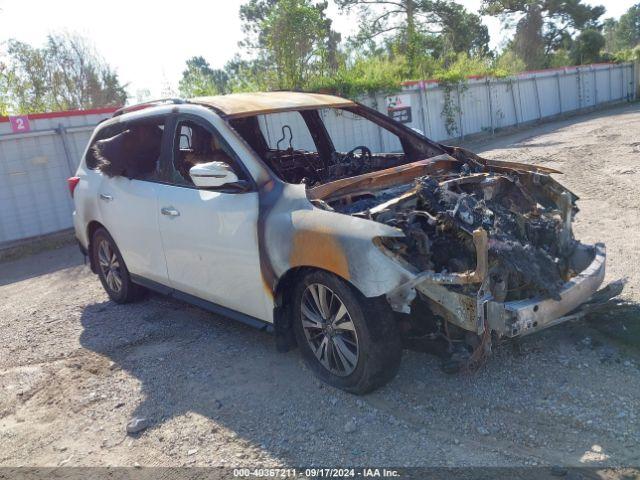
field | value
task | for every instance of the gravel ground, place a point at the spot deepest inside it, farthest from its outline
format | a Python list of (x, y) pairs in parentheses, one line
[(75, 368)]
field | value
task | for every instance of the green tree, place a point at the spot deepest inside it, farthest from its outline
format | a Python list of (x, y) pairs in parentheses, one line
[(560, 58), (587, 46), (462, 31), (627, 33), (609, 31), (543, 26), (413, 27), (199, 79), (509, 62), (4, 93), (293, 39), (64, 74)]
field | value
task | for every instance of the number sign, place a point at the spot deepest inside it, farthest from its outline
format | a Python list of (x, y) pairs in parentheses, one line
[(20, 124)]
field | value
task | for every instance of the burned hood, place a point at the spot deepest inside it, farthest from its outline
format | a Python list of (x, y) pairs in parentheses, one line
[(439, 203)]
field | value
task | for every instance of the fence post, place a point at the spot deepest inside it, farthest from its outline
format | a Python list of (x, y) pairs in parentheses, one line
[(610, 83), (378, 128), (513, 99), (459, 111), (636, 78), (62, 131), (490, 106), (621, 83), (421, 109), (535, 87), (559, 92), (595, 86), (426, 113), (518, 81), (579, 88)]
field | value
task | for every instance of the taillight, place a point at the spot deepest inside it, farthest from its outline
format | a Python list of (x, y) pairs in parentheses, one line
[(72, 182)]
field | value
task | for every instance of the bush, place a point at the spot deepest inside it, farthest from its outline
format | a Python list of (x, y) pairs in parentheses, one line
[(363, 76), (628, 55)]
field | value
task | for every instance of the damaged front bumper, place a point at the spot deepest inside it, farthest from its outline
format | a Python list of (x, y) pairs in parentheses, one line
[(511, 318), (523, 317)]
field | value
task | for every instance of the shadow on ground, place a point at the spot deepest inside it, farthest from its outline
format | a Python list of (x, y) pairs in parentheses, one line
[(188, 361)]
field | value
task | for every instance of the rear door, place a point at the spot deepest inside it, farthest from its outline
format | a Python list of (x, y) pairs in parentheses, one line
[(129, 210), (210, 236)]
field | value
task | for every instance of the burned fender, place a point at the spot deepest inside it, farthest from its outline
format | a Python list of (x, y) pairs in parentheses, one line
[(296, 233)]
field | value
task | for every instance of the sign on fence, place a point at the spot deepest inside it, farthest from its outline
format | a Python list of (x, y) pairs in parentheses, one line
[(399, 107), (20, 124)]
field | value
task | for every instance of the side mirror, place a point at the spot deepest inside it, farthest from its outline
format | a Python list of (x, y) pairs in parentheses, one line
[(212, 175)]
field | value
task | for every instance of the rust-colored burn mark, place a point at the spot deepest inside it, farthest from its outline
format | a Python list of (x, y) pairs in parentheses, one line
[(504, 166), (237, 105), (319, 249), (384, 178)]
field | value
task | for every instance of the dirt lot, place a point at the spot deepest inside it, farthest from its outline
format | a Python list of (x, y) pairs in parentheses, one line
[(75, 367)]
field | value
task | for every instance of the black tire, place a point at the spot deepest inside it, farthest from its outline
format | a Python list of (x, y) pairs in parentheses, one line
[(123, 291), (378, 346)]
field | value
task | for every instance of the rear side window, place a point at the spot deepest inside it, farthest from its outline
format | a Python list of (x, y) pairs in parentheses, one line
[(130, 149), (105, 132)]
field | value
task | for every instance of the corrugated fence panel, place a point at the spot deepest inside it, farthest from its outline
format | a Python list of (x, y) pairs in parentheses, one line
[(434, 105), (475, 108), (34, 166), (505, 106), (527, 99), (602, 85), (617, 87), (549, 95)]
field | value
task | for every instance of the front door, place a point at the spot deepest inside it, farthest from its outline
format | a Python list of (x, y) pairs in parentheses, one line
[(210, 237)]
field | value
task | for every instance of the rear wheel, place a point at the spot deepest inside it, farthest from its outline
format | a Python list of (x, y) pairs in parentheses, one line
[(112, 270), (350, 341)]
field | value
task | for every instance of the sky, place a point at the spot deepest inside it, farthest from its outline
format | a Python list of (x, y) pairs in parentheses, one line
[(147, 42)]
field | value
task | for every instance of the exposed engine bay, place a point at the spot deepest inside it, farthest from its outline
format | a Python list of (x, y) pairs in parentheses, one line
[(529, 246)]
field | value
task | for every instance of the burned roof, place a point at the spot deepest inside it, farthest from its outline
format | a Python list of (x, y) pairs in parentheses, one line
[(237, 105)]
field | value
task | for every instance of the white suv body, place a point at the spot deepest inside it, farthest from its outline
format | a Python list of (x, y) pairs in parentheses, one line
[(226, 219)]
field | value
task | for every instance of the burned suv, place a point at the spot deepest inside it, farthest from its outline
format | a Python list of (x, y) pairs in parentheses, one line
[(343, 231)]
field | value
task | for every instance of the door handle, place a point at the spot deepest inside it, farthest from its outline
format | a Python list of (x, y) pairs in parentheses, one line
[(170, 211), (106, 198)]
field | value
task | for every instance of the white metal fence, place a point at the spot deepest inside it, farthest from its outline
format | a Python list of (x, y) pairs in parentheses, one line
[(34, 165), (488, 104)]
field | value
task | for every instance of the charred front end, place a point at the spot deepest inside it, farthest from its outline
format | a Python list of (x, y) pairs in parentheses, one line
[(489, 244)]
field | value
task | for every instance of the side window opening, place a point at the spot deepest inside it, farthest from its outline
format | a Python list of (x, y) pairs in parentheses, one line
[(91, 157), (346, 129), (133, 150), (313, 147), (290, 147), (195, 144)]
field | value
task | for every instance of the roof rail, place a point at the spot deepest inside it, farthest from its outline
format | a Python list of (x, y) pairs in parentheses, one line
[(150, 103)]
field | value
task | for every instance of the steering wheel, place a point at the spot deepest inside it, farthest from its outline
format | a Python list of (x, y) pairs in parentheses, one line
[(356, 164)]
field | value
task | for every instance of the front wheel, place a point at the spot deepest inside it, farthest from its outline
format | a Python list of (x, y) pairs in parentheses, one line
[(348, 340)]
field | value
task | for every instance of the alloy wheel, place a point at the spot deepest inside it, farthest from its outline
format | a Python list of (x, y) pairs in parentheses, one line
[(110, 266), (329, 330)]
